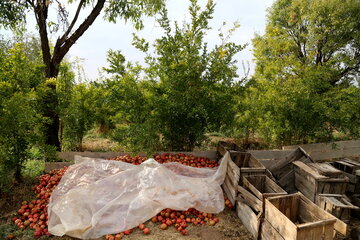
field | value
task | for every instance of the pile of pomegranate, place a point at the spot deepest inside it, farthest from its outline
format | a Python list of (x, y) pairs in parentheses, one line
[(185, 159), (33, 214)]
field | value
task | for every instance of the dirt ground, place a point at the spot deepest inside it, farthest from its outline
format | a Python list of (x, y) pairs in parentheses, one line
[(229, 226)]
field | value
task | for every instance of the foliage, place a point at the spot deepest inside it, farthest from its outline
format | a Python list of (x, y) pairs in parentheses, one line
[(78, 117), (13, 13), (187, 89), (19, 124), (307, 63)]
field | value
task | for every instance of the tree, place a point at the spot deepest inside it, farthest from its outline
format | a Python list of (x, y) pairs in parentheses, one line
[(318, 37), (14, 12), (190, 84), (308, 57), (19, 125)]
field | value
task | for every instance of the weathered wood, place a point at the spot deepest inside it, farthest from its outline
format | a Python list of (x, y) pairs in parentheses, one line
[(233, 177), (310, 182), (337, 205), (347, 165), (270, 154), (326, 169), (349, 169), (232, 189), (284, 172), (252, 201), (294, 216), (228, 194), (339, 225), (280, 220), (268, 232), (324, 151), (262, 186), (250, 219), (235, 170), (223, 147)]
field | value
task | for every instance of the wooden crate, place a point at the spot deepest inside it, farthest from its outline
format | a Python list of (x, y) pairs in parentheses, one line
[(250, 218), (310, 181), (338, 205), (262, 186), (350, 169), (283, 169), (294, 216), (250, 203), (347, 165), (242, 164), (223, 147)]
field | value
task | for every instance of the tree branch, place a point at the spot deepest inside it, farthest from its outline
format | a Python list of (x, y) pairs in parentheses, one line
[(41, 16), (64, 47), (73, 21)]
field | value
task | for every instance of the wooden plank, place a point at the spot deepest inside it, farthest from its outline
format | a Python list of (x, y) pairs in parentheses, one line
[(249, 218), (353, 162), (287, 182), (316, 230), (278, 207), (234, 169), (309, 170), (223, 147), (270, 154), (228, 194), (324, 151), (280, 222), (232, 188), (253, 202), (261, 185), (249, 182), (339, 225), (283, 162), (326, 169), (305, 183), (268, 232), (232, 177)]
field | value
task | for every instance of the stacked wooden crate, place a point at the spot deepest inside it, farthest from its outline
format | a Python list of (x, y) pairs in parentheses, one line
[(294, 216), (313, 179), (350, 167), (338, 205), (242, 164), (250, 200), (283, 170)]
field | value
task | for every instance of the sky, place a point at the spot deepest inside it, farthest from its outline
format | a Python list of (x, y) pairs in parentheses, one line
[(92, 47)]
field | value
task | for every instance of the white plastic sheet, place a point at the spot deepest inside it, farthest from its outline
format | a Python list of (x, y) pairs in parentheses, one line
[(97, 197)]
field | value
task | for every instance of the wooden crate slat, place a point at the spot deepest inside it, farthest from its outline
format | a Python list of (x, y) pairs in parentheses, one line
[(268, 232), (326, 169), (296, 217), (252, 201), (232, 189), (249, 218), (228, 194), (279, 220), (262, 186)]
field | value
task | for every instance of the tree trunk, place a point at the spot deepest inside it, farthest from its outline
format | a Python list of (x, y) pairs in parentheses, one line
[(51, 112), (52, 60)]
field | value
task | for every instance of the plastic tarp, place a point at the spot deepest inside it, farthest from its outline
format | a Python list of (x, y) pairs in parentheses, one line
[(97, 197)]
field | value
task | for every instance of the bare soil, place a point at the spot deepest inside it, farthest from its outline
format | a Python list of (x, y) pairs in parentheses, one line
[(229, 226)]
